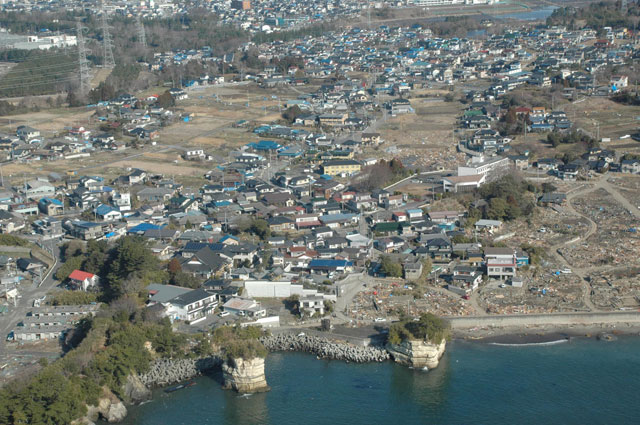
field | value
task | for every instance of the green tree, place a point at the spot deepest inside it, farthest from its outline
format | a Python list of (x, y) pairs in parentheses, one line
[(292, 113), (68, 267), (390, 267), (165, 100)]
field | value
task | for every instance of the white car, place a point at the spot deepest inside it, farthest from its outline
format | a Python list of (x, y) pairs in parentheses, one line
[(565, 271), (223, 313), (380, 319)]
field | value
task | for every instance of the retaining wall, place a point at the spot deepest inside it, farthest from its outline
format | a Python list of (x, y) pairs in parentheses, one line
[(584, 319)]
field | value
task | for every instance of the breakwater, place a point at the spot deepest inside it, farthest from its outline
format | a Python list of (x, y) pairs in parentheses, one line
[(324, 348), (169, 371)]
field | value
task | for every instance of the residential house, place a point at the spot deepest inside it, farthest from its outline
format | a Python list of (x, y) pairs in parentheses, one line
[(50, 206), (83, 280), (500, 262), (413, 271), (344, 166), (193, 306)]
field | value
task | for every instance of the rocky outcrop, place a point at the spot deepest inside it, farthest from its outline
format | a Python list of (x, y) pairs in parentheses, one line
[(417, 354), (245, 376), (110, 408), (168, 371), (135, 391), (324, 348)]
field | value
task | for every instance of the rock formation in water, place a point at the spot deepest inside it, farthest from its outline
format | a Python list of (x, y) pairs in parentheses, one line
[(417, 354), (245, 376)]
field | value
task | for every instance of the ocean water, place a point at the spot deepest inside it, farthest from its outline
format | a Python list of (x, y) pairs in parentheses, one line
[(579, 382)]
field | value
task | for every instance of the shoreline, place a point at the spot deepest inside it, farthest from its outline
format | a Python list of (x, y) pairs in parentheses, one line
[(543, 334)]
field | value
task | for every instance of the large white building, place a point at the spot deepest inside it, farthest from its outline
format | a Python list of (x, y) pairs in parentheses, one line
[(33, 42), (492, 168)]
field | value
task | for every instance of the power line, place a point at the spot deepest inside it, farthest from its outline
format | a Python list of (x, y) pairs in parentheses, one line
[(107, 53), (83, 70), (62, 80), (52, 71)]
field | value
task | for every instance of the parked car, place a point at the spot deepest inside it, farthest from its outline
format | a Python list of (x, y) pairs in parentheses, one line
[(223, 313)]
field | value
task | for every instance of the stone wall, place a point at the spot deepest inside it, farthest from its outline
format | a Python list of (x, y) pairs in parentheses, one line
[(417, 354)]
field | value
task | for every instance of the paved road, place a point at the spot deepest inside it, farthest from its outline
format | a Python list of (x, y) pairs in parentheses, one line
[(29, 293)]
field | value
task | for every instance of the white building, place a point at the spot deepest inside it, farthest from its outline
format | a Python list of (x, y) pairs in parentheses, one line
[(492, 168), (193, 306)]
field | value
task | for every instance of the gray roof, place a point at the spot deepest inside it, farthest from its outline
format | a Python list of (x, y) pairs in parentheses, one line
[(190, 297), (165, 292)]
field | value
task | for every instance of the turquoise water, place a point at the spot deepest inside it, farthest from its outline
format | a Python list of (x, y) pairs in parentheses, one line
[(581, 382)]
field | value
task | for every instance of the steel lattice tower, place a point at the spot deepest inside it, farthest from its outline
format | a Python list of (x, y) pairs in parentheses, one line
[(142, 37), (107, 52), (84, 73)]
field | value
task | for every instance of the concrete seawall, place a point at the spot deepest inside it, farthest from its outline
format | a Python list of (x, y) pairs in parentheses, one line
[(560, 319)]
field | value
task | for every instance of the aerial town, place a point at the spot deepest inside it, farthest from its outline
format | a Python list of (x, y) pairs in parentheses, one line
[(359, 174)]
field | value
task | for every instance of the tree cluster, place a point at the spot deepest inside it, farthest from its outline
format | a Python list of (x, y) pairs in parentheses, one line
[(556, 138), (509, 198), (390, 267), (429, 327), (239, 342), (596, 15), (380, 175)]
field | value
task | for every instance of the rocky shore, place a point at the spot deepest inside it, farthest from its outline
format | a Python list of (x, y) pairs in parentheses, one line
[(417, 354), (167, 371), (324, 348), (245, 376)]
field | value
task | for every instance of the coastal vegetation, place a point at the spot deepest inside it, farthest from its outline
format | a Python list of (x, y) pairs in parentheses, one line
[(428, 327), (240, 342), (104, 351), (101, 351)]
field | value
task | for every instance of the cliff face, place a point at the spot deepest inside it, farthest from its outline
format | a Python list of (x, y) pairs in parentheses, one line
[(417, 354), (135, 391), (109, 408), (245, 376)]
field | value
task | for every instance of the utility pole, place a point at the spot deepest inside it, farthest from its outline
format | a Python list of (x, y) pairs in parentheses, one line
[(107, 52), (84, 74), (142, 36)]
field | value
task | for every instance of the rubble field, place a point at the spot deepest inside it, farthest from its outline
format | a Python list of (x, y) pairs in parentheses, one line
[(385, 298), (546, 293), (617, 289), (549, 226), (614, 243)]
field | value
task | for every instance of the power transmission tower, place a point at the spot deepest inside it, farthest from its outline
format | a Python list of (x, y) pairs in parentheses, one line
[(142, 37), (109, 62), (85, 75)]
